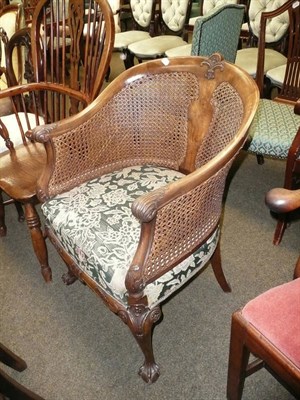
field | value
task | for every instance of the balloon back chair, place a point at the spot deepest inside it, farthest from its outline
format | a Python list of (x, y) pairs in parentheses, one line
[(69, 59), (218, 31), (173, 32), (133, 185), (143, 27), (273, 132), (268, 326)]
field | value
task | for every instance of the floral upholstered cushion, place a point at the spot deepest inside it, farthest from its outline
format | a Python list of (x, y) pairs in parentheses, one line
[(273, 129), (95, 225)]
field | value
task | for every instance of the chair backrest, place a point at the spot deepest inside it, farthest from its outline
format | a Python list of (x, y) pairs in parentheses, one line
[(70, 58), (143, 14), (174, 16), (206, 6), (28, 10), (59, 30), (289, 11), (218, 31), (10, 22), (276, 27)]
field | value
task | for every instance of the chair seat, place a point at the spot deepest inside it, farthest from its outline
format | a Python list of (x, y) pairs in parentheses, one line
[(273, 129), (155, 46), (276, 314), (180, 51), (124, 39), (94, 223), (20, 182), (247, 59), (276, 75)]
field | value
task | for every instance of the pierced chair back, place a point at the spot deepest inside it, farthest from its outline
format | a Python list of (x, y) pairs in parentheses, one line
[(156, 150), (71, 47), (269, 26)]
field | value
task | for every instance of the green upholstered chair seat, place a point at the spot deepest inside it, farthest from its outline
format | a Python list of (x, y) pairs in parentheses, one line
[(95, 225), (273, 129)]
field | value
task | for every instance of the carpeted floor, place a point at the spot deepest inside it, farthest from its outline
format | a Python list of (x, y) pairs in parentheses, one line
[(76, 348)]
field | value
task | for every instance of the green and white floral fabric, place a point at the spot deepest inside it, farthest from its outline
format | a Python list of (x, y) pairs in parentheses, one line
[(273, 129), (95, 225)]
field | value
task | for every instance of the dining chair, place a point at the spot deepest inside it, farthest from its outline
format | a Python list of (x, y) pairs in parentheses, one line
[(268, 26), (173, 20), (132, 189), (10, 389), (143, 27), (274, 131), (70, 58), (217, 31), (268, 327)]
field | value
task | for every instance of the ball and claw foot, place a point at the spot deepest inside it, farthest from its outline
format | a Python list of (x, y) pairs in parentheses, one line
[(68, 278), (149, 372)]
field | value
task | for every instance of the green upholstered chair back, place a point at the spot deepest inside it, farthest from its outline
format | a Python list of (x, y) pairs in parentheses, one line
[(219, 31)]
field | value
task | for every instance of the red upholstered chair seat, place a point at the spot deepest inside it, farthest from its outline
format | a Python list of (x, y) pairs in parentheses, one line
[(276, 314)]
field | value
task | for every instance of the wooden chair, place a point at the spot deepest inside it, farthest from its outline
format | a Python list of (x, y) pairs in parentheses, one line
[(273, 132), (143, 27), (268, 25), (217, 31), (173, 20), (10, 23), (133, 205), (268, 326), (10, 388), (66, 79)]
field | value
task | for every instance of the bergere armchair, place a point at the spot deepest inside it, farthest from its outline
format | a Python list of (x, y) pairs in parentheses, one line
[(132, 188), (273, 132), (71, 47)]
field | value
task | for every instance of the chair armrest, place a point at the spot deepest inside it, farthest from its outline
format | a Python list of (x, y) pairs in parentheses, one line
[(282, 200), (194, 216), (297, 107)]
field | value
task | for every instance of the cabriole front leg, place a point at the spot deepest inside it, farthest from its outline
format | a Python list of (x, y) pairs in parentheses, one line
[(38, 240), (140, 320)]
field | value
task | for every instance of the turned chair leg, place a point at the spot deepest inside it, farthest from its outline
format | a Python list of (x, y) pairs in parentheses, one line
[(297, 269), (218, 270), (3, 228), (20, 211), (238, 362), (280, 228), (140, 319), (38, 240)]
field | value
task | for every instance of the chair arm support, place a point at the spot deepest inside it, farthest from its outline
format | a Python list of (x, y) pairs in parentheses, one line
[(164, 245), (297, 107), (41, 86), (282, 200)]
